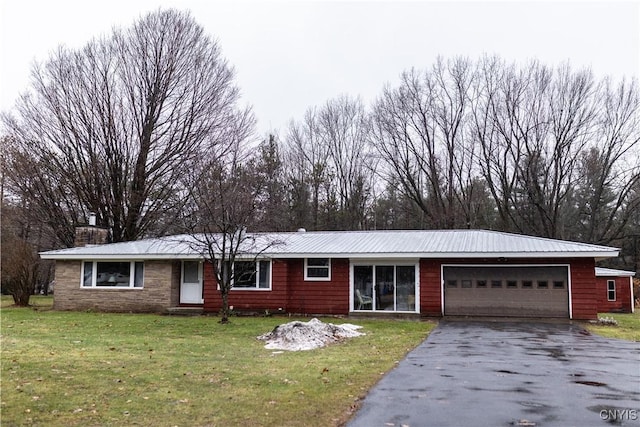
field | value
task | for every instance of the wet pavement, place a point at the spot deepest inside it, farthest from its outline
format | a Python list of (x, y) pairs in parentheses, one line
[(509, 374)]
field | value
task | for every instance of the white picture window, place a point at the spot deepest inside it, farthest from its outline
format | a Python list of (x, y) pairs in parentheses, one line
[(112, 274), (317, 269)]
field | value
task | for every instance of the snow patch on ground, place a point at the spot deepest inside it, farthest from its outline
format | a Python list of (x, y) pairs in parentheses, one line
[(296, 336)]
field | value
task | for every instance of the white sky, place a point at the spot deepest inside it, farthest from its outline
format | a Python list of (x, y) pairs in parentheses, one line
[(293, 55)]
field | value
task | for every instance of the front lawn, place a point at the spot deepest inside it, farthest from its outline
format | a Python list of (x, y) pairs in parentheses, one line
[(628, 327), (79, 368)]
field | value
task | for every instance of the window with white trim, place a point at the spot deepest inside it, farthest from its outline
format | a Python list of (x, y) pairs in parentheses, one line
[(611, 290), (317, 269), (251, 275), (112, 274)]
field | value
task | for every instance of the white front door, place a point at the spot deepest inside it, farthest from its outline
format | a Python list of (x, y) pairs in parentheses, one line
[(191, 283)]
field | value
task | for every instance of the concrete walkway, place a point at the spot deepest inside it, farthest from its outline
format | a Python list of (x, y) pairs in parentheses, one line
[(509, 374)]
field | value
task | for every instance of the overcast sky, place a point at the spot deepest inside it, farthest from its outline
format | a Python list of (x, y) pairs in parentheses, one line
[(289, 55)]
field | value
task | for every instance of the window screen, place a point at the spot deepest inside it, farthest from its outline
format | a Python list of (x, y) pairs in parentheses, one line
[(611, 290), (317, 268)]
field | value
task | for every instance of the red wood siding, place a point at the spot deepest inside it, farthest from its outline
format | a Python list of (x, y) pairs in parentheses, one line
[(248, 300), (210, 293), (583, 289), (289, 291), (430, 288), (623, 295), (319, 297)]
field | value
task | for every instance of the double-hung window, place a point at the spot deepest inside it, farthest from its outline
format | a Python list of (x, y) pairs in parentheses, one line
[(252, 274), (317, 269), (112, 274), (611, 290)]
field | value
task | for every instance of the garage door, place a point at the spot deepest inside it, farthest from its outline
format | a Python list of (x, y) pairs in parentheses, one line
[(506, 291)]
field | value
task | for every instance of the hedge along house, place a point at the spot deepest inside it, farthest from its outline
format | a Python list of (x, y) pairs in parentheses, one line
[(426, 273)]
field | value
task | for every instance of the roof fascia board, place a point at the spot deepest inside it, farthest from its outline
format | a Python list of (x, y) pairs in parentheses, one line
[(448, 255), (429, 255), (619, 273), (71, 257)]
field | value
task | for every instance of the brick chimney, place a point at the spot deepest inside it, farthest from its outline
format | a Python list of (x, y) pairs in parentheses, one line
[(90, 234)]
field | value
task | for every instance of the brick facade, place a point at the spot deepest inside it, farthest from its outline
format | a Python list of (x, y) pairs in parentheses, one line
[(160, 291), (90, 235)]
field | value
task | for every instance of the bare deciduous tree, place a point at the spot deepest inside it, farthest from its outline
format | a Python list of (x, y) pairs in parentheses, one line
[(21, 269), (532, 149), (225, 198), (344, 129), (114, 125), (418, 129), (609, 168), (332, 161), (540, 132), (308, 158)]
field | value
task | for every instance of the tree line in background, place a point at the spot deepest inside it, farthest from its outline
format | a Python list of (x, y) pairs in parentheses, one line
[(144, 128), (549, 152)]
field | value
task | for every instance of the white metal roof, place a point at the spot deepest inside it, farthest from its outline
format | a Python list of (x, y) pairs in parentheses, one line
[(178, 247), (355, 244), (610, 272)]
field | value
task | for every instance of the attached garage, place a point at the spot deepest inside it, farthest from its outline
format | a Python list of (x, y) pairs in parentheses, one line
[(522, 291)]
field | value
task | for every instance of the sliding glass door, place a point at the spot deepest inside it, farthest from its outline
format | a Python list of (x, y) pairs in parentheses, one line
[(384, 287)]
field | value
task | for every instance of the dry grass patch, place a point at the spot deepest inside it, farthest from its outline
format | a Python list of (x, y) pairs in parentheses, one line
[(69, 368), (628, 327)]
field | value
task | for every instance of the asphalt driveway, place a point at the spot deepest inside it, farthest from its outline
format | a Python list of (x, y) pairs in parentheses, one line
[(509, 374)]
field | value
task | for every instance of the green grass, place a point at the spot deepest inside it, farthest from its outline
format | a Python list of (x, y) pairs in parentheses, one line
[(78, 368), (628, 327), (37, 301)]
